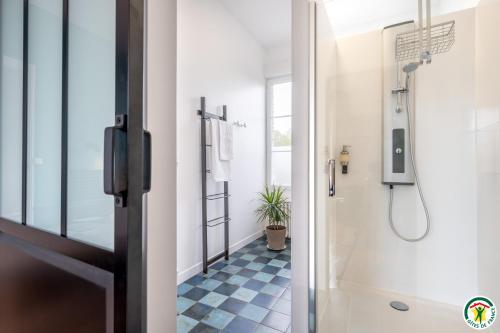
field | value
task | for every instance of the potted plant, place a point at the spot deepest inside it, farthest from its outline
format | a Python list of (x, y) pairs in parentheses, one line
[(273, 210)]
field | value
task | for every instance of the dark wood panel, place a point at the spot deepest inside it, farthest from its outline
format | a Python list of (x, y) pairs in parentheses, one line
[(89, 254), (42, 292)]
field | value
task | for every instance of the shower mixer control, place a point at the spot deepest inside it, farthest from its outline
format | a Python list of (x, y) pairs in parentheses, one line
[(398, 156)]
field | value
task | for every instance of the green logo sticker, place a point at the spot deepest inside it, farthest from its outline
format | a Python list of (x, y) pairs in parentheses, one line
[(480, 313)]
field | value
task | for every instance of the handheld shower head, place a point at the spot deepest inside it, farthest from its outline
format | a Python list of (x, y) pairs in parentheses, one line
[(410, 67)]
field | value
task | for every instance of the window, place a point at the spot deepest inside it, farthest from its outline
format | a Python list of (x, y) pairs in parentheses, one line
[(279, 138)]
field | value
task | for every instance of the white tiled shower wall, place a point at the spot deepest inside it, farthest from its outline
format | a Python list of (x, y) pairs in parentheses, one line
[(488, 146), (457, 147)]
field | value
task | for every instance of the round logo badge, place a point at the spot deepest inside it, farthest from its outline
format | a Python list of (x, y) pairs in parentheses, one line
[(480, 312)]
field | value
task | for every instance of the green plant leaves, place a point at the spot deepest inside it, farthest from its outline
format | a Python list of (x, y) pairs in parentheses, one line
[(273, 208)]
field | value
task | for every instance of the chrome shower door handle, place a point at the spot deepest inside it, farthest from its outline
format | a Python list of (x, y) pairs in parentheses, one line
[(331, 178)]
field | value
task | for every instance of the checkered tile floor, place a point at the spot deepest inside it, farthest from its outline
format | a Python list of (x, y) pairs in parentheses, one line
[(248, 293)]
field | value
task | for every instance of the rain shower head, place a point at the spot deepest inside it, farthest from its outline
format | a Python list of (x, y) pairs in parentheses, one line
[(410, 67)]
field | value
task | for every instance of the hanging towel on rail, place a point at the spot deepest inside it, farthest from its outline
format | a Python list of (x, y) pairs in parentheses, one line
[(225, 141), (219, 169)]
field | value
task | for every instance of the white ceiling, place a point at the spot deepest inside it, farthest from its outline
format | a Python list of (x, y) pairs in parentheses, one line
[(350, 17), (270, 21)]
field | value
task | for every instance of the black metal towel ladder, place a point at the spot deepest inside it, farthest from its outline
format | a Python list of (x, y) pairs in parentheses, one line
[(206, 223)]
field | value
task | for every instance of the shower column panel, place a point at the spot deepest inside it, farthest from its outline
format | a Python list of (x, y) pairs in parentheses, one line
[(396, 160)]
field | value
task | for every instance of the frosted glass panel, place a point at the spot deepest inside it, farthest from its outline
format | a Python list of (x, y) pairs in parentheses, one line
[(91, 108), (11, 85), (282, 132), (44, 114), (281, 169), (282, 99)]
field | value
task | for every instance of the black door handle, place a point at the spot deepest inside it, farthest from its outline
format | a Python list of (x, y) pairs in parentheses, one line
[(115, 160)]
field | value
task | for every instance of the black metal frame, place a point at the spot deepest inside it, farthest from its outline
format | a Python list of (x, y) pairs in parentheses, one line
[(64, 122), (25, 113), (127, 262), (207, 197), (130, 236)]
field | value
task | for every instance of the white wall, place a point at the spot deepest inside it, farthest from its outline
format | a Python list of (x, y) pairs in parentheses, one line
[(278, 61), (488, 147), (161, 201), (440, 267), (218, 59)]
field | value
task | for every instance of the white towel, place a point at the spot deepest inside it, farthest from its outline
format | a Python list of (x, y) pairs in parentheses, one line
[(220, 170), (225, 141)]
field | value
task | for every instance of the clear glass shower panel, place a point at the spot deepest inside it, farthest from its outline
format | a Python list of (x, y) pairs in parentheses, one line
[(326, 166)]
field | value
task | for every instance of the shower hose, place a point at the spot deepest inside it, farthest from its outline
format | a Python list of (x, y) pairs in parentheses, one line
[(417, 179)]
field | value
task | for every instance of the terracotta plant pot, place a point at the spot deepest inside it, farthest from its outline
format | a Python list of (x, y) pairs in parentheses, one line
[(276, 236)]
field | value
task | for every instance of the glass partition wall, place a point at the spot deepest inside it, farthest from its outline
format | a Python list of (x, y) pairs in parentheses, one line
[(407, 166), (52, 178)]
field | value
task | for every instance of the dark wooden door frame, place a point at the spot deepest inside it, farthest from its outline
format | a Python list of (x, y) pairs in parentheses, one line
[(127, 262)]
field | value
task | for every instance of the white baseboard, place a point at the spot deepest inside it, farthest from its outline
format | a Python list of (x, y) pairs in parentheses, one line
[(196, 269)]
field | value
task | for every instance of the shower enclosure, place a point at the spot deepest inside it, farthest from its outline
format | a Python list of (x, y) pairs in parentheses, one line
[(407, 166)]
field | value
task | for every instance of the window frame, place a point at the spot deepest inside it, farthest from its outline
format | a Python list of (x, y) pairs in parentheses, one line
[(270, 82)]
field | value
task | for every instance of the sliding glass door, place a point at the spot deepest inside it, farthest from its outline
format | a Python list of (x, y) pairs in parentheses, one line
[(72, 166)]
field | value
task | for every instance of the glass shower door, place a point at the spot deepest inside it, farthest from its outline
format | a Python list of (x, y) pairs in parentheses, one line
[(376, 268), (327, 163)]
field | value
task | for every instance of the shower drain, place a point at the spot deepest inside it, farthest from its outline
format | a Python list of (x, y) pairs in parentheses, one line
[(400, 306)]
